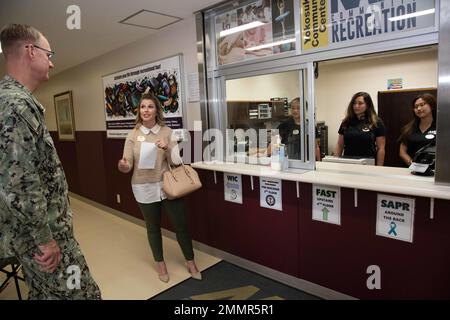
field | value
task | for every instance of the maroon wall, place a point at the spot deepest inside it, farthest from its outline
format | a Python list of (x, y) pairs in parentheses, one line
[(67, 153), (333, 256), (265, 236), (338, 256), (90, 164)]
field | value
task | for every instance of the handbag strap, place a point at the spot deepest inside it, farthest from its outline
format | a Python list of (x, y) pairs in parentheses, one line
[(185, 170)]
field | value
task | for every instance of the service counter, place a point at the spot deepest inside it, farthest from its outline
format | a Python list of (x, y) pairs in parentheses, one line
[(384, 179), (340, 257)]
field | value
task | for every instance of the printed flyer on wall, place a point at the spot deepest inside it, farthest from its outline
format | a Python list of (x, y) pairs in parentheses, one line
[(123, 90)]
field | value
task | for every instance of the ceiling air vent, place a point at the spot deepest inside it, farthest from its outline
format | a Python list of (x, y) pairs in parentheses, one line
[(150, 20)]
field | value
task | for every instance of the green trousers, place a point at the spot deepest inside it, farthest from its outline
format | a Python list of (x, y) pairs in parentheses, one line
[(176, 209)]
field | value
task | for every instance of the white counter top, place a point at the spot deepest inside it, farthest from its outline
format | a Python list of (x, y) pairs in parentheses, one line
[(381, 179)]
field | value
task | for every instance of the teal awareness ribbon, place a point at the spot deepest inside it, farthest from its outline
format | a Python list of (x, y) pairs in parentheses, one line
[(393, 227)]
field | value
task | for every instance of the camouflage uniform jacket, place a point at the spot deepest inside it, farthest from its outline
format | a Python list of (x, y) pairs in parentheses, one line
[(34, 205)]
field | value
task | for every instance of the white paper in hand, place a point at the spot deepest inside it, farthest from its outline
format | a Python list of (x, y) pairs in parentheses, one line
[(418, 167), (147, 158)]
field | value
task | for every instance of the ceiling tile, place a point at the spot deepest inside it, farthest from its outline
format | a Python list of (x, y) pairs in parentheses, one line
[(150, 19)]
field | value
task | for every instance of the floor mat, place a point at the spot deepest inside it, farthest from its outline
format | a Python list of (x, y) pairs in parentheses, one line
[(225, 281)]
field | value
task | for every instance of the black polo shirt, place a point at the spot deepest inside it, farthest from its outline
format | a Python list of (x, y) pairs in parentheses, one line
[(290, 136), (360, 140), (419, 139)]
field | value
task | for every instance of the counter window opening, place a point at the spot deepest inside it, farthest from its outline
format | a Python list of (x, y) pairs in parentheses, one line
[(414, 72), (263, 111), (414, 28)]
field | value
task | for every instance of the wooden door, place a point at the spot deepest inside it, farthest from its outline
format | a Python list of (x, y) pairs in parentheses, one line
[(395, 109)]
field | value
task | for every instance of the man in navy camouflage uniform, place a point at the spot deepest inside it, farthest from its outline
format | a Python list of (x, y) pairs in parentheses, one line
[(35, 218)]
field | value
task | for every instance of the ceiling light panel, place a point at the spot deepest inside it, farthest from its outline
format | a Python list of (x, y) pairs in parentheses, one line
[(150, 19)]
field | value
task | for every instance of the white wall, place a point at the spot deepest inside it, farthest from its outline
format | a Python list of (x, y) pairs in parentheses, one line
[(264, 87), (339, 80), (85, 80)]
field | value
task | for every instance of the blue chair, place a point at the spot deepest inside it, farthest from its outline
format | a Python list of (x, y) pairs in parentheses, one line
[(13, 273)]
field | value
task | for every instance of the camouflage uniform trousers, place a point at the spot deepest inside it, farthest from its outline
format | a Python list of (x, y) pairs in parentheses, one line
[(71, 280)]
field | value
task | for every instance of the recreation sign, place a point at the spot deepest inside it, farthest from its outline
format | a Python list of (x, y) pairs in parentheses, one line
[(329, 24)]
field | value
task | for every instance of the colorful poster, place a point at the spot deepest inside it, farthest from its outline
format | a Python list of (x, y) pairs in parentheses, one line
[(283, 25), (230, 43), (260, 28), (341, 23), (393, 84), (256, 41), (395, 217), (123, 90)]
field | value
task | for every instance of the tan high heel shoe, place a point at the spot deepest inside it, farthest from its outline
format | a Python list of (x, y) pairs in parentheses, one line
[(163, 277), (196, 275)]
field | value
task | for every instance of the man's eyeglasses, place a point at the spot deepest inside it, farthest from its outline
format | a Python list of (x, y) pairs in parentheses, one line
[(49, 53)]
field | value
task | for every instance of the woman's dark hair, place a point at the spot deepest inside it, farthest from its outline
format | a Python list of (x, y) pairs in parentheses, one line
[(159, 111), (370, 115), (409, 127)]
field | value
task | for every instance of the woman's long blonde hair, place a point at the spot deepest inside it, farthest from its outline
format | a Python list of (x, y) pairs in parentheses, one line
[(159, 112)]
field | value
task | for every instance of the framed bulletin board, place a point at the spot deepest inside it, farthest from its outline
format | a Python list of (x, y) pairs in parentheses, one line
[(64, 116)]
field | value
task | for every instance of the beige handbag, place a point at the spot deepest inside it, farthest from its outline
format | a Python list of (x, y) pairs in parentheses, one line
[(180, 181)]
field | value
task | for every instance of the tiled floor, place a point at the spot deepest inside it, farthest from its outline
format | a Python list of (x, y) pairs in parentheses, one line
[(119, 256)]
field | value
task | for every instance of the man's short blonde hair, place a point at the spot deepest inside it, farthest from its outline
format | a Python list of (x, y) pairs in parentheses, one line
[(13, 35)]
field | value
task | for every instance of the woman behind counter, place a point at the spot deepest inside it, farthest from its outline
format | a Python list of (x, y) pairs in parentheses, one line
[(421, 130), (290, 133), (361, 133), (146, 181)]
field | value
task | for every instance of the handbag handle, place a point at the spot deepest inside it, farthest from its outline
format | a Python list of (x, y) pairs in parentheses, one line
[(185, 170)]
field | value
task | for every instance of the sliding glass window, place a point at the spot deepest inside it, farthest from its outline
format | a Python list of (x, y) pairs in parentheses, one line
[(262, 108)]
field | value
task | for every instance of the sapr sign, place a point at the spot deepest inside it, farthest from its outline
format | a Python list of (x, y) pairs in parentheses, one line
[(326, 204), (395, 217)]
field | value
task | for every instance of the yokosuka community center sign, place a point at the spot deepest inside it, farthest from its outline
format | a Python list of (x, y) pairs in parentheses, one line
[(328, 24)]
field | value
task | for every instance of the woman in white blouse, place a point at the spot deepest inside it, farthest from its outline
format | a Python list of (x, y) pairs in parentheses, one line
[(147, 150)]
